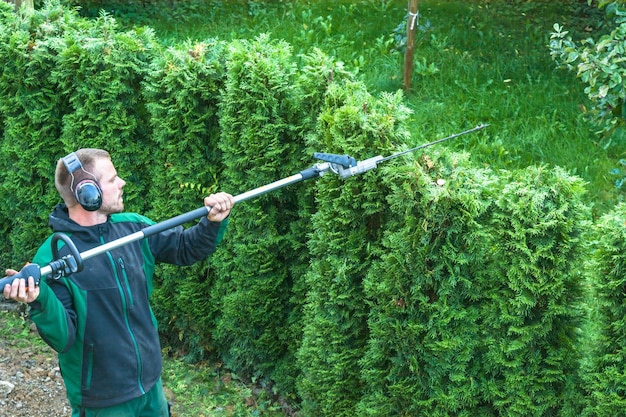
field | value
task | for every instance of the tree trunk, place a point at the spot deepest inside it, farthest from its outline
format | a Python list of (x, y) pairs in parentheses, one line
[(28, 4), (411, 28)]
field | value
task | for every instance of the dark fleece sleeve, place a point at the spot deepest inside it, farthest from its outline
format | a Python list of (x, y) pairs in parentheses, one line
[(180, 246)]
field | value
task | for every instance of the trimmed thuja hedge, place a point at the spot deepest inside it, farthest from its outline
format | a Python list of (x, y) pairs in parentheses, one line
[(182, 91), (262, 134), (605, 372), (425, 287), (473, 303), (346, 233)]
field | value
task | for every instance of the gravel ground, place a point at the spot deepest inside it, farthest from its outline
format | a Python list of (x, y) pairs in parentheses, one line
[(30, 381)]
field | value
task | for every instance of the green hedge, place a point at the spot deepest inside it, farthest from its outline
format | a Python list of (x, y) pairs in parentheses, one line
[(261, 135), (31, 109), (605, 376), (347, 229), (181, 91), (424, 287), (426, 293), (455, 327)]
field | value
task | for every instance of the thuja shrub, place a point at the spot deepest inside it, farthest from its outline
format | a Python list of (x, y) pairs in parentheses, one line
[(606, 375), (31, 109), (533, 288), (262, 136), (345, 239), (475, 303), (182, 92), (99, 73), (425, 294), (317, 72)]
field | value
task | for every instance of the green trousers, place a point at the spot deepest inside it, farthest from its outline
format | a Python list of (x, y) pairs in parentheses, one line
[(152, 404)]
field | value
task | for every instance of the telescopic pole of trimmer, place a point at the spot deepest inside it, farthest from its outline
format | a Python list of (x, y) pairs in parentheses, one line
[(60, 266), (197, 213)]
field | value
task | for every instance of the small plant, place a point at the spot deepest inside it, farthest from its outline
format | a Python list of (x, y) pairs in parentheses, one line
[(621, 173), (15, 329), (600, 66), (206, 390)]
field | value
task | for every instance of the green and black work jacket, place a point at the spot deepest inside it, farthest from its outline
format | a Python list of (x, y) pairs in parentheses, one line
[(99, 320)]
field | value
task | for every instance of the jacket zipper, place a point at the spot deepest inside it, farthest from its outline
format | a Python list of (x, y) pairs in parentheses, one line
[(131, 301)]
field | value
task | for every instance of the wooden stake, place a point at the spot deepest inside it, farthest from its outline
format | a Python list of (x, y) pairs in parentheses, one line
[(411, 28)]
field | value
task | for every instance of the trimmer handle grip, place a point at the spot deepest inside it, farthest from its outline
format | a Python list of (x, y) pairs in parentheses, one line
[(30, 270)]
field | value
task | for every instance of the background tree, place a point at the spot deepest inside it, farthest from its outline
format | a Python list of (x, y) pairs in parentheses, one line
[(599, 64)]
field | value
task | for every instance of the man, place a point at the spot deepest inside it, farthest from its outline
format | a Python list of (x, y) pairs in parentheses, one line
[(99, 319)]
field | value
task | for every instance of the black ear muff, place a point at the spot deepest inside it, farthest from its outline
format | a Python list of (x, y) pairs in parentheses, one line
[(88, 195), (87, 191)]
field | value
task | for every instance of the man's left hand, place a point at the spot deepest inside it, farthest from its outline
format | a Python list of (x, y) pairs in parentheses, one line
[(220, 204)]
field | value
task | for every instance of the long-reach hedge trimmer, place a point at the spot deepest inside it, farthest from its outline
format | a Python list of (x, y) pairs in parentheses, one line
[(343, 165)]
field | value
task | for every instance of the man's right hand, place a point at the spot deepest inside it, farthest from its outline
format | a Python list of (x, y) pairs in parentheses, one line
[(19, 290)]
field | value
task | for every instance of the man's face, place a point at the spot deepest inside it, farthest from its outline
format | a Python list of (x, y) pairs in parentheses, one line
[(111, 184)]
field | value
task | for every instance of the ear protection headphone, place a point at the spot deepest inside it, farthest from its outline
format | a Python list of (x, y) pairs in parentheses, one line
[(87, 191)]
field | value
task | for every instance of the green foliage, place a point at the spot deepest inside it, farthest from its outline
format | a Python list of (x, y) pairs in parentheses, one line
[(606, 376), (182, 91), (16, 331), (533, 312), (600, 66), (318, 71), (32, 109), (347, 229), (474, 306), (425, 293), (605, 3), (213, 391), (262, 134)]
